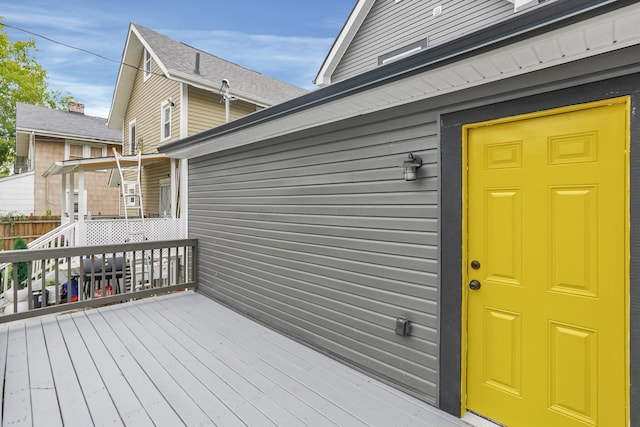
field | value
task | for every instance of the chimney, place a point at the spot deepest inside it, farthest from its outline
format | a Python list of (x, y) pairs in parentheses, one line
[(76, 107), (197, 69)]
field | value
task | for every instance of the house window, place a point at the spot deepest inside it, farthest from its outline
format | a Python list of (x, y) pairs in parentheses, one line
[(76, 151), (95, 152), (166, 120), (165, 198), (132, 137), (147, 64)]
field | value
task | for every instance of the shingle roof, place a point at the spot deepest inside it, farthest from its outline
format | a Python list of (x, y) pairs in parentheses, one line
[(45, 120), (180, 57)]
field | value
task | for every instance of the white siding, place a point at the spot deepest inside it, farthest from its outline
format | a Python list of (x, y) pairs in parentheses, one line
[(17, 194)]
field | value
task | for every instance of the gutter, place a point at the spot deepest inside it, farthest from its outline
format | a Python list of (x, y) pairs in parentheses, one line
[(519, 27)]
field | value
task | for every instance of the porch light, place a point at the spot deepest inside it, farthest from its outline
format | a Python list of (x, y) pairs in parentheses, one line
[(411, 166)]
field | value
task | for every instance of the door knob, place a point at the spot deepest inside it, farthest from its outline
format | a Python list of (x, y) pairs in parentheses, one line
[(474, 285)]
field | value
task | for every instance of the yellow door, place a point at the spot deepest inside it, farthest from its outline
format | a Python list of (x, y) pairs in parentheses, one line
[(545, 275)]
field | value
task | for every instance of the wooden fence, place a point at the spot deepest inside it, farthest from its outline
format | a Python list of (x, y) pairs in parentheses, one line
[(27, 227)]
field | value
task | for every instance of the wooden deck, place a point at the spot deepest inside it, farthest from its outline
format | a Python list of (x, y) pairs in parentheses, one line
[(184, 359)]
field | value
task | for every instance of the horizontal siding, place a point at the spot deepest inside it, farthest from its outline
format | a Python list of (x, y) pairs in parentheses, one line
[(207, 111), (390, 26), (319, 236), (145, 103)]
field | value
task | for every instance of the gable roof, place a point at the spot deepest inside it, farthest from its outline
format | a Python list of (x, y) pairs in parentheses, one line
[(177, 61), (351, 27), (42, 120)]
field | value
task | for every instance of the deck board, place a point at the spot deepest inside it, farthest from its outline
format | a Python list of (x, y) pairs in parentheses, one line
[(43, 394), (184, 359), (131, 411)]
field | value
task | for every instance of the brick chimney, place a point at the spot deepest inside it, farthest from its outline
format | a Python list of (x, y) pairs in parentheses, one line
[(76, 107)]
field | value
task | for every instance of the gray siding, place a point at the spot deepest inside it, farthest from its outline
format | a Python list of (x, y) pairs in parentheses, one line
[(319, 236), (390, 26)]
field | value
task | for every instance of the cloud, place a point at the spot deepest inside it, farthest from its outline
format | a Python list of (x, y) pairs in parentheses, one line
[(292, 59), (91, 80)]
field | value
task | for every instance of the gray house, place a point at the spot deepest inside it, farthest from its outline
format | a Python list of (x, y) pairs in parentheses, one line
[(453, 213)]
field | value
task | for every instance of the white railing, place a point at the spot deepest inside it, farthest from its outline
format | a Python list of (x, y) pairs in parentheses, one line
[(112, 231), (89, 276), (60, 237), (96, 233)]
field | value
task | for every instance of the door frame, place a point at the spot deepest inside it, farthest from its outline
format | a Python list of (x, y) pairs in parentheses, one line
[(451, 391), (625, 100)]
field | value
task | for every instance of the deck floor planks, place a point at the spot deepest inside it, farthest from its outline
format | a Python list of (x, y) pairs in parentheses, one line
[(305, 396), (101, 406), (240, 394), (173, 392), (73, 406), (129, 407), (355, 391), (184, 359), (44, 402), (259, 390), (4, 338), (160, 411), (290, 366), (17, 400), (170, 355)]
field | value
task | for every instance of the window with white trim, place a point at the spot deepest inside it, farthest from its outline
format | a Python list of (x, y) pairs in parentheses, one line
[(132, 138), (165, 119), (147, 64)]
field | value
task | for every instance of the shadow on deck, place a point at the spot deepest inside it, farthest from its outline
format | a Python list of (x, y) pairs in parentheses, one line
[(184, 359)]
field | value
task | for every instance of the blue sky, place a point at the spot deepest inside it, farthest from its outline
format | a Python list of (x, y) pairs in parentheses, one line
[(285, 39)]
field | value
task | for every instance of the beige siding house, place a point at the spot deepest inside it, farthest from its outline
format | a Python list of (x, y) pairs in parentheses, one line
[(167, 90)]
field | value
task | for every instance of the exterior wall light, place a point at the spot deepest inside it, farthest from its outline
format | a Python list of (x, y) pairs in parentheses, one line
[(411, 166)]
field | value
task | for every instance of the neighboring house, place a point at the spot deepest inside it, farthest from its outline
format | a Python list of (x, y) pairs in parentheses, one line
[(167, 90), (44, 136), (513, 257)]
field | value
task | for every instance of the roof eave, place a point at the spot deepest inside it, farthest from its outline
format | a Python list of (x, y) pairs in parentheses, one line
[(342, 42)]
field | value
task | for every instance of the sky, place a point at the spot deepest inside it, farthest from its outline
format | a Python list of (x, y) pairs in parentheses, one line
[(284, 39)]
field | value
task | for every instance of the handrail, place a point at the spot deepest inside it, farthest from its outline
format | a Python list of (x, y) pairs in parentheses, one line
[(100, 275), (63, 235)]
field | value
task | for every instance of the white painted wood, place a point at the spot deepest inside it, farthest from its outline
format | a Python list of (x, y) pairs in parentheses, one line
[(194, 390), (17, 194), (98, 400), (129, 407), (160, 411), (17, 403), (71, 400), (236, 369), (44, 403), (184, 359), (171, 390), (4, 338)]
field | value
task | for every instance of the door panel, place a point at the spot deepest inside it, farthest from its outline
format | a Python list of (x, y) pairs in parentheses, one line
[(546, 221)]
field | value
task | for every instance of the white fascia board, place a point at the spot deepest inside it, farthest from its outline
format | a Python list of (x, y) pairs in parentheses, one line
[(344, 39)]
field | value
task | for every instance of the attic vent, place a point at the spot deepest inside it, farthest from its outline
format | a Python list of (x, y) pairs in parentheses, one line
[(197, 69), (519, 5), (403, 52)]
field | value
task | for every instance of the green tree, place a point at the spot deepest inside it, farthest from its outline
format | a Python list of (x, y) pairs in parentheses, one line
[(22, 79), (23, 272)]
